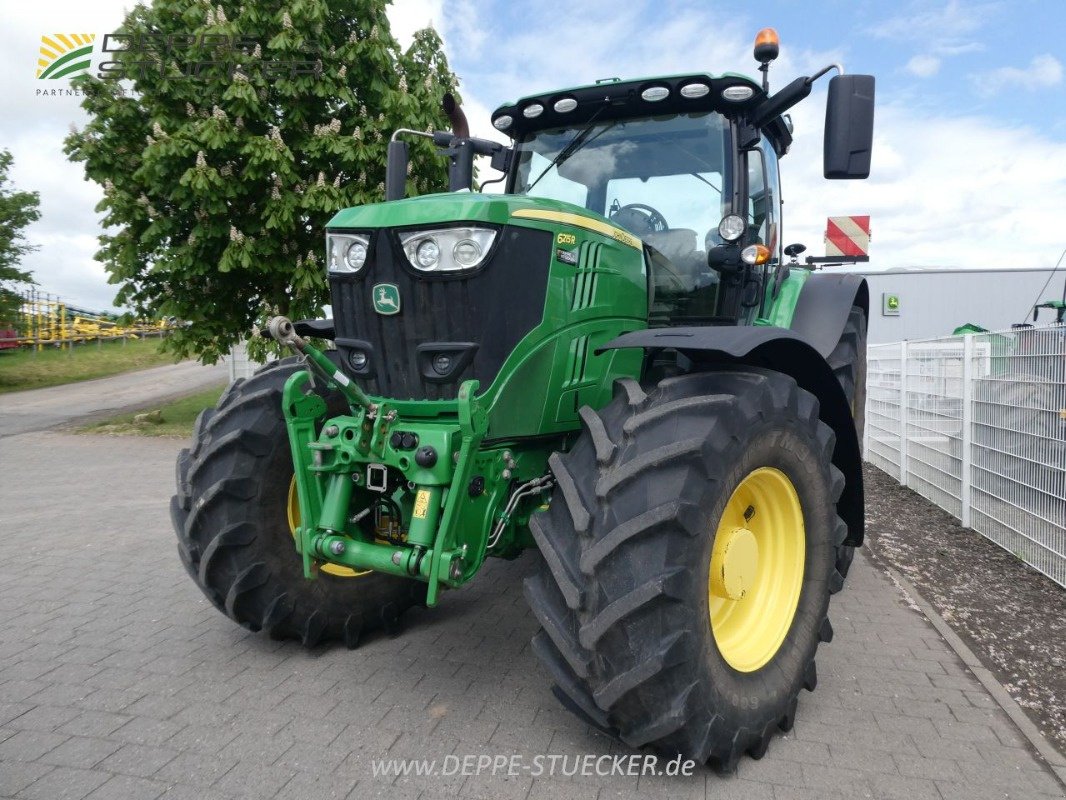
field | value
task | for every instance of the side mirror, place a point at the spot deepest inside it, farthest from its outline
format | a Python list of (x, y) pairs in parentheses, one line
[(849, 127), (396, 170)]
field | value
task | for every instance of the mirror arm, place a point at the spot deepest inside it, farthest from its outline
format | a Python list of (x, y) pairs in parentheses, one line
[(825, 71)]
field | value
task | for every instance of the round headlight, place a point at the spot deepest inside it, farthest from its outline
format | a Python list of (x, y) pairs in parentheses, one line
[(355, 257), (653, 94), (466, 252), (358, 360), (502, 123), (427, 253), (731, 228), (565, 105), (532, 111)]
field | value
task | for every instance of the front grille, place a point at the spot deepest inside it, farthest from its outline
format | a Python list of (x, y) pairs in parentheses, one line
[(493, 308)]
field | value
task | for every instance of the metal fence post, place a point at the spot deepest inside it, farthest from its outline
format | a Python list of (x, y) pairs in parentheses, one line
[(865, 443), (233, 363), (967, 426), (903, 467)]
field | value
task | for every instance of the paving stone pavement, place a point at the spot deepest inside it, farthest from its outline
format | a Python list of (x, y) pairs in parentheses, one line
[(118, 680)]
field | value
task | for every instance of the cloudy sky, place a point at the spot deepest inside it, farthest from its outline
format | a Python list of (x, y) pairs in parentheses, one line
[(969, 157)]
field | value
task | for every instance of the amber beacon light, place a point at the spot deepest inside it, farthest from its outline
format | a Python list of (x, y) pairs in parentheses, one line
[(767, 45)]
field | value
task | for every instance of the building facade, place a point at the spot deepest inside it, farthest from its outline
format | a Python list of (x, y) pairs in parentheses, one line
[(916, 303)]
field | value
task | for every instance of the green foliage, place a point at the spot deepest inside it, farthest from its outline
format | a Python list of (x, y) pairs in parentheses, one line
[(217, 187), (17, 210)]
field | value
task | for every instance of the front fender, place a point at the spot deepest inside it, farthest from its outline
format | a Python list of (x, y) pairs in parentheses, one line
[(785, 351)]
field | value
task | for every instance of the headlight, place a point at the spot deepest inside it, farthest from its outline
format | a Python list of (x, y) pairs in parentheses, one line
[(447, 249), (346, 252), (731, 228)]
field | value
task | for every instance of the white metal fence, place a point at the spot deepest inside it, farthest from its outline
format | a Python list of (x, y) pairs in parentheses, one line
[(977, 424)]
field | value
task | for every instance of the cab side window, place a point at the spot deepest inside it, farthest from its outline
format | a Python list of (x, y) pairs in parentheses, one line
[(773, 201), (759, 200)]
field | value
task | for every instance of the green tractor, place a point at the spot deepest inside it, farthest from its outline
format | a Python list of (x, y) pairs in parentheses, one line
[(611, 362)]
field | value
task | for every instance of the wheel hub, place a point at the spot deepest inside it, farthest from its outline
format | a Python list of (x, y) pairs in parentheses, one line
[(734, 564)]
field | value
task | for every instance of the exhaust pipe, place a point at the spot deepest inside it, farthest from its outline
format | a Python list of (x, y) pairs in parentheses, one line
[(460, 127)]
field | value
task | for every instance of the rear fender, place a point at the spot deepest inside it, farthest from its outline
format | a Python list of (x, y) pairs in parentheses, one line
[(785, 351)]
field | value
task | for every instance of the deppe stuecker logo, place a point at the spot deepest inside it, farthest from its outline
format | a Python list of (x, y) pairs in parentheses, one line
[(64, 55), (137, 55)]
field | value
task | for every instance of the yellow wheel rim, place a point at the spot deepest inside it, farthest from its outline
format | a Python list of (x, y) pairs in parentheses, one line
[(293, 511), (756, 570)]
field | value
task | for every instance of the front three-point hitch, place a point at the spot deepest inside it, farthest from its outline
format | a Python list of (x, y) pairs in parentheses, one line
[(396, 493)]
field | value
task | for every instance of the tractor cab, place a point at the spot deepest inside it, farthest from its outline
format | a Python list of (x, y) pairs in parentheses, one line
[(660, 159), (688, 164)]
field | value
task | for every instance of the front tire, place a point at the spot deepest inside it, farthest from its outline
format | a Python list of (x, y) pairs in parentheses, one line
[(231, 518), (626, 594)]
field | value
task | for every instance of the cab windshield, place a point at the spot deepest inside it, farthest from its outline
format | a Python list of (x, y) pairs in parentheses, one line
[(648, 175), (666, 179)]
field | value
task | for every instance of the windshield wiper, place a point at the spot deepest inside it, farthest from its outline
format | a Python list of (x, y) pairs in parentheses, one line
[(572, 147)]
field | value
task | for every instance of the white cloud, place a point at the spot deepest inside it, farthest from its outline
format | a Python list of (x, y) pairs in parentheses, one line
[(408, 16), (944, 29), (1043, 71), (923, 66)]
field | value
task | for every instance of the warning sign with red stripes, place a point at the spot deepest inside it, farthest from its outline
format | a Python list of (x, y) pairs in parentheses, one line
[(847, 236)]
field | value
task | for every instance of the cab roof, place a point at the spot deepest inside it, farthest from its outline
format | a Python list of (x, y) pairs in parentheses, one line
[(730, 94)]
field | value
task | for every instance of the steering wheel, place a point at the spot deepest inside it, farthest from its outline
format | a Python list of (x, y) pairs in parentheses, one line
[(638, 215)]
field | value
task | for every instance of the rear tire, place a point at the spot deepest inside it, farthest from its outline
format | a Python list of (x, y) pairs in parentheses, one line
[(622, 595), (234, 539), (848, 361)]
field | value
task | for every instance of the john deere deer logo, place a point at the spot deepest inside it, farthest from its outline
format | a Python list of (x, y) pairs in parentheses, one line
[(387, 298)]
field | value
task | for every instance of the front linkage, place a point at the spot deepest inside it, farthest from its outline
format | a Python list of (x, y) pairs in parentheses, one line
[(435, 488)]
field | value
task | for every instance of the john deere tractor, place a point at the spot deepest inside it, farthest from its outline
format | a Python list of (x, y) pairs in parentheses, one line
[(611, 362)]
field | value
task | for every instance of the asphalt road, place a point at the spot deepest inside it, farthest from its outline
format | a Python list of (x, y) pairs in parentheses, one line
[(118, 679), (43, 409)]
